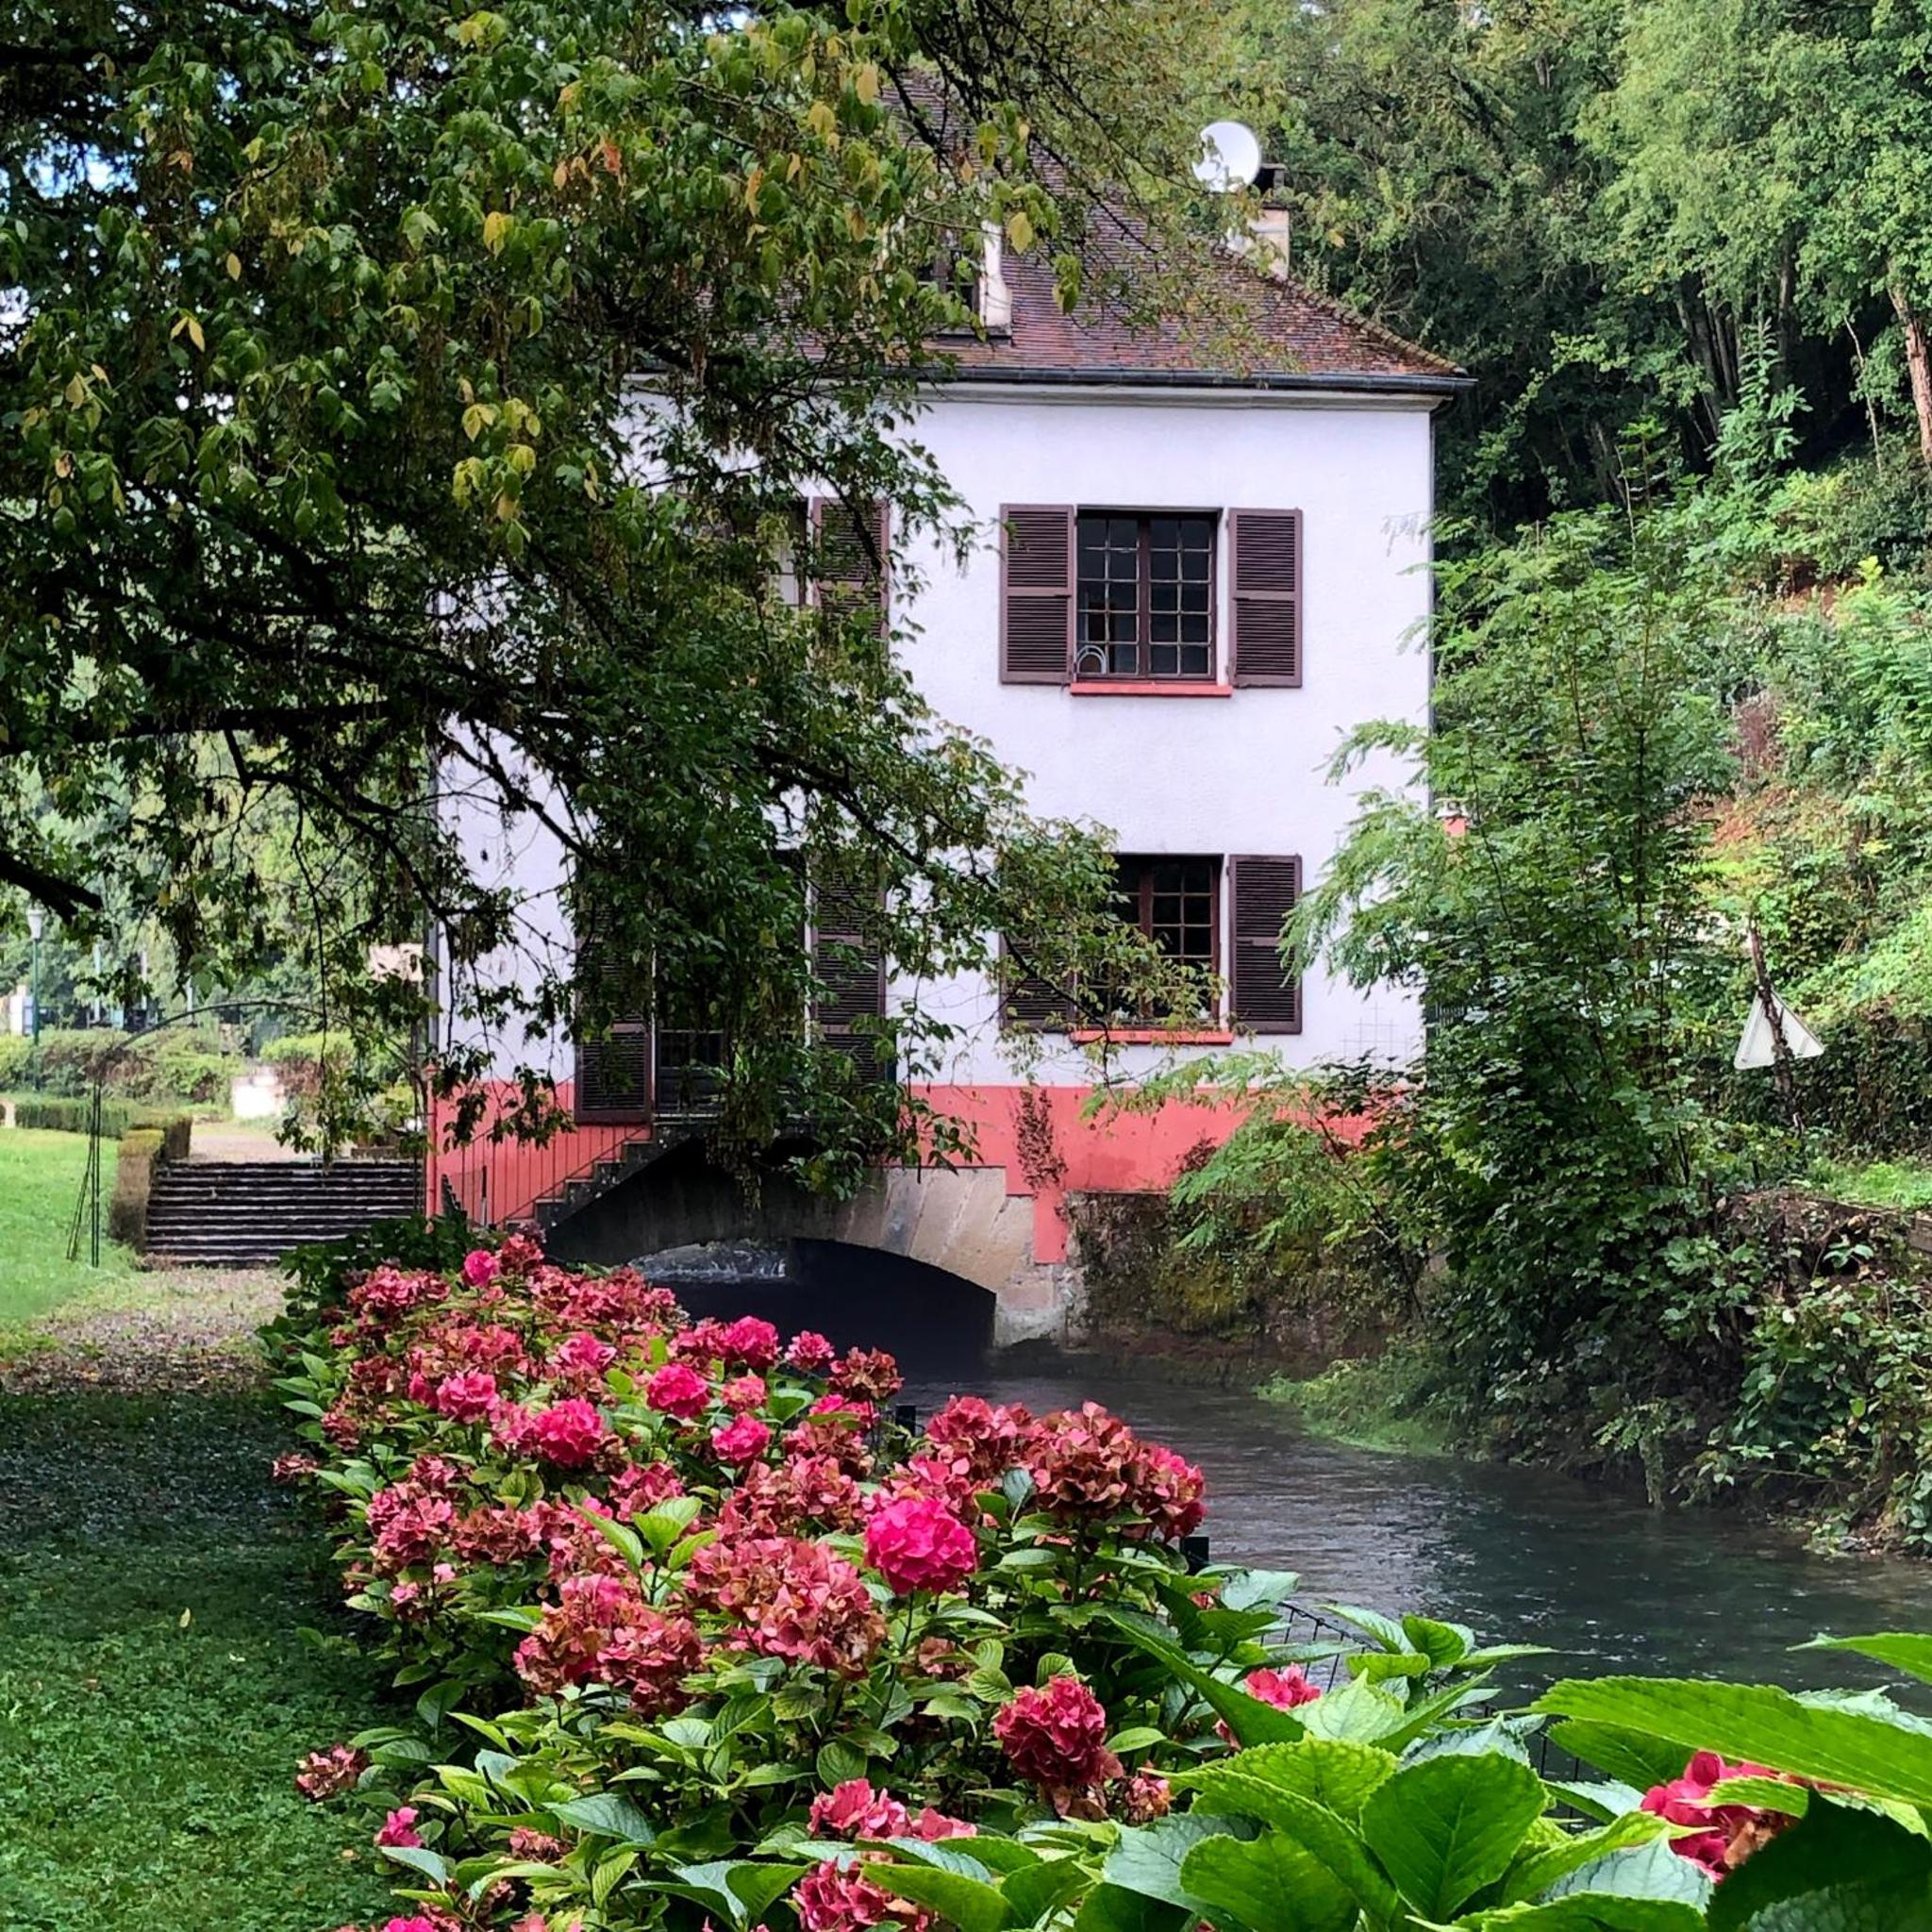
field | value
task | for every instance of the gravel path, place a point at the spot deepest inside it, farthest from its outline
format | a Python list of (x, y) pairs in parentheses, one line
[(167, 1330)]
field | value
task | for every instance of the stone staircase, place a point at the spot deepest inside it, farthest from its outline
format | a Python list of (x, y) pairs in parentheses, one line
[(580, 1189), (237, 1214)]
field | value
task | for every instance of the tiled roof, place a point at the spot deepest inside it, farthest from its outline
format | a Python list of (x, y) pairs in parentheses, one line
[(1253, 330)]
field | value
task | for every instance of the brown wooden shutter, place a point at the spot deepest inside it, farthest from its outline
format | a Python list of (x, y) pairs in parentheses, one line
[(1028, 1005), (849, 558), (849, 961), (613, 1071), (1036, 593), (1267, 577), (1265, 998)]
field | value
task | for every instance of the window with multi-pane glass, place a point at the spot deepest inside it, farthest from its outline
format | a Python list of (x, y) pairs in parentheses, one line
[(1145, 595)]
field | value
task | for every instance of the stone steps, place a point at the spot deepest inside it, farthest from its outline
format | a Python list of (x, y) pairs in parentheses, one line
[(226, 1213)]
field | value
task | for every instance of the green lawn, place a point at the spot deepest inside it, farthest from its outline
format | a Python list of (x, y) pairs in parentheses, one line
[(156, 1690), (40, 1181), (1902, 1184)]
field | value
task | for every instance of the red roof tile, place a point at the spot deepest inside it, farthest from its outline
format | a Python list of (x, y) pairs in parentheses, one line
[(1255, 329)]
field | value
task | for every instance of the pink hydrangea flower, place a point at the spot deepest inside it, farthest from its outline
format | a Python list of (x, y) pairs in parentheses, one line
[(519, 1254), (840, 1898), (601, 1630), (328, 1773), (293, 1468), (785, 1596), (480, 1267), (854, 1809), (749, 1343), (1145, 1797), (979, 1438), (917, 1544), (640, 1485), (1284, 1689), (1056, 1737), (870, 1373), (743, 1439), (584, 1356), (568, 1433), (399, 1828), (743, 1393), (466, 1398), (1724, 1835), (810, 1353), (678, 1389)]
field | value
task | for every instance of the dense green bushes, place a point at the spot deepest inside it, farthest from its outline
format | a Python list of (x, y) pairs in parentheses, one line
[(174, 1064), (117, 1118)]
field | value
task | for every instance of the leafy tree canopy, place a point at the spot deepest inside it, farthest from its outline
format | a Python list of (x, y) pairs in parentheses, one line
[(406, 396)]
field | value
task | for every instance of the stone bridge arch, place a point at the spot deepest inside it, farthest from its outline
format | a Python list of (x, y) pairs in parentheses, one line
[(960, 1222)]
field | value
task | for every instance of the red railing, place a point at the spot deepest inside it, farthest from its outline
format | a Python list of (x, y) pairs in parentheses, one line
[(501, 1181)]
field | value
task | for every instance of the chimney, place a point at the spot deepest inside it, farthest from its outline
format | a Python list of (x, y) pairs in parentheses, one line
[(1267, 240)]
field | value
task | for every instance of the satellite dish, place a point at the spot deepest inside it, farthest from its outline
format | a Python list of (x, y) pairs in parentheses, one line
[(1230, 157)]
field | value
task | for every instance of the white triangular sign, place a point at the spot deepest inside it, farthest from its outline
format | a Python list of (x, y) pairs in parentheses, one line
[(1758, 1046)]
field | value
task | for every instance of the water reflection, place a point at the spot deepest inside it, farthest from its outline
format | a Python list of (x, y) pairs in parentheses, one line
[(1519, 1555)]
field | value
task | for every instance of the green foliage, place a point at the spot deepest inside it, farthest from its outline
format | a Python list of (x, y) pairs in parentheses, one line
[(166, 1652), (1596, 207), (1544, 882)]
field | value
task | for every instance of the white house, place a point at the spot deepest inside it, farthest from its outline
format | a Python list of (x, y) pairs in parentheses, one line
[(1192, 579)]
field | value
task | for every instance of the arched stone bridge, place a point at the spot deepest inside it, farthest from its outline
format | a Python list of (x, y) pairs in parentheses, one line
[(963, 1220)]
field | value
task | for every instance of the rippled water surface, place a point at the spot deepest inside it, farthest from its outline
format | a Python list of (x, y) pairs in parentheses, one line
[(1519, 1555)]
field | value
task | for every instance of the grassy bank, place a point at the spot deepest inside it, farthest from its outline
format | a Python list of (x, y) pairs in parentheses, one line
[(40, 1181), (1374, 1401), (156, 1687), (156, 1690)]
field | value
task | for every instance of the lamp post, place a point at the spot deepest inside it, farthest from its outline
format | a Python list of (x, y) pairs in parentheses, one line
[(36, 925)]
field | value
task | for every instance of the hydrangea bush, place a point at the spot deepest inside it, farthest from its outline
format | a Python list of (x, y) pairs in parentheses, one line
[(698, 1636)]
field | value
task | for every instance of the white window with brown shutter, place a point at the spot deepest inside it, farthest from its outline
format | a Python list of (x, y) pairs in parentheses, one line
[(1036, 593), (1265, 575), (1265, 994), (848, 959), (613, 1070), (850, 553)]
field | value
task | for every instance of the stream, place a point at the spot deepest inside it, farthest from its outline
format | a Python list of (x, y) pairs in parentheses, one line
[(1520, 1554)]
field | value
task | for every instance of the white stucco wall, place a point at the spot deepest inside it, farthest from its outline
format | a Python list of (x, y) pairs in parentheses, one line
[(1245, 773)]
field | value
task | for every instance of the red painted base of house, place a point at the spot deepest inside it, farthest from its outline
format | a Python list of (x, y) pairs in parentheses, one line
[(1042, 1137)]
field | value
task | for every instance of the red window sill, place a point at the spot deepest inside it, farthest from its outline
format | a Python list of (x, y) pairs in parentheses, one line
[(1154, 1036), (1147, 688)]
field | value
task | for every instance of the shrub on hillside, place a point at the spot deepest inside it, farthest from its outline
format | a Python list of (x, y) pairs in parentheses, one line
[(729, 1649)]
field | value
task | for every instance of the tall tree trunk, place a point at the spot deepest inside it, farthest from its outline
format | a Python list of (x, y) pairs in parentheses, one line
[(1919, 362)]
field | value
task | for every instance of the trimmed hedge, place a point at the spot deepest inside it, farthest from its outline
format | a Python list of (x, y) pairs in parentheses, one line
[(134, 1170), (56, 1114)]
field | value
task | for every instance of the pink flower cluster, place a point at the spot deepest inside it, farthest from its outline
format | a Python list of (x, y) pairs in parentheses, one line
[(834, 1897), (855, 1810), (1056, 1738), (745, 1343), (567, 1433), (917, 1544), (800, 1494), (784, 1596), (1721, 1837), (329, 1773), (1088, 1466), (600, 1630)]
